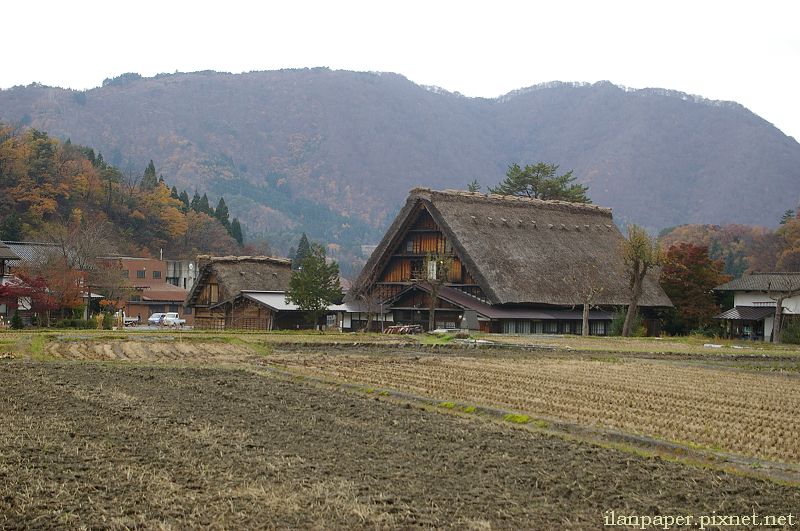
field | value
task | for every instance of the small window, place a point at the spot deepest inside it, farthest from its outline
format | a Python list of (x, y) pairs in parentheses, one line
[(140, 273), (187, 310), (135, 298), (126, 273), (409, 246), (156, 274)]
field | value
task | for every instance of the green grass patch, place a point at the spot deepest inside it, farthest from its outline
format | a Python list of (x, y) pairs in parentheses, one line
[(469, 409), (369, 390), (516, 418), (383, 393), (36, 346), (436, 339), (539, 423), (447, 405)]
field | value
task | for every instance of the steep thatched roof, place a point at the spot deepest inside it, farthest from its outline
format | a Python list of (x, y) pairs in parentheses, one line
[(520, 250), (783, 282), (241, 273)]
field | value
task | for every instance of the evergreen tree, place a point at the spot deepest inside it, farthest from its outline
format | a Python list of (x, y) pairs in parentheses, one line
[(222, 214), (11, 228), (16, 321), (315, 284), (184, 197), (540, 181), (303, 250), (161, 179), (474, 186), (174, 193), (787, 215), (195, 204), (204, 207), (236, 231), (149, 181)]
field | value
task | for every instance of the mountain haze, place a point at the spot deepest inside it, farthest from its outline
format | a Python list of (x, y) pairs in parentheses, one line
[(334, 153)]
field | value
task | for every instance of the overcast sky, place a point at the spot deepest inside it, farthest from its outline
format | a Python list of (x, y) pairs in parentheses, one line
[(745, 51)]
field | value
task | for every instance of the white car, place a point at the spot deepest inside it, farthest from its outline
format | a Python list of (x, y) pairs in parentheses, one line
[(172, 319), (155, 319)]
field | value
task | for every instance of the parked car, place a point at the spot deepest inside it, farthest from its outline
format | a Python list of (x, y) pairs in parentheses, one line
[(155, 319), (172, 319)]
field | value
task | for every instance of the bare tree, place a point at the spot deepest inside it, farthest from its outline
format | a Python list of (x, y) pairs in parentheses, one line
[(641, 254), (372, 302), (130, 180), (435, 274), (780, 294), (584, 282)]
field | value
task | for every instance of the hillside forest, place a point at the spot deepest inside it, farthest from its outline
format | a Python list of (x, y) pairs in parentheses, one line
[(49, 188), (743, 248)]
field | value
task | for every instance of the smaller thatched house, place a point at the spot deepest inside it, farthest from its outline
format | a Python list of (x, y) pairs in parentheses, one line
[(221, 297), (521, 265)]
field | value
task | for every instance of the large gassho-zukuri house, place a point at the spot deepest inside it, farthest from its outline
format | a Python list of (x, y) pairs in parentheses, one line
[(517, 264)]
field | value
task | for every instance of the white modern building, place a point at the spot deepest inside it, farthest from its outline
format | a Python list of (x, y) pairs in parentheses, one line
[(754, 303)]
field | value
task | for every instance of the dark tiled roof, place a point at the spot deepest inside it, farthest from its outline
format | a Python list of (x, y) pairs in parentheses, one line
[(747, 313), (467, 301), (32, 252), (6, 253), (763, 282)]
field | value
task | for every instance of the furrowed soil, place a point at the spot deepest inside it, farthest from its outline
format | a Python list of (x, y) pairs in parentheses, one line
[(122, 445)]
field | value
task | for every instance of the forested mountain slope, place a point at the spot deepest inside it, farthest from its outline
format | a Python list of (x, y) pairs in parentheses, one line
[(334, 153)]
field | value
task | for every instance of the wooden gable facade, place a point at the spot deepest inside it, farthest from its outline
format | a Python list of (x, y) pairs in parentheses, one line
[(216, 296), (420, 240)]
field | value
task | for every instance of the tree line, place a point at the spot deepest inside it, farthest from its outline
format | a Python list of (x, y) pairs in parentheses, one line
[(46, 184)]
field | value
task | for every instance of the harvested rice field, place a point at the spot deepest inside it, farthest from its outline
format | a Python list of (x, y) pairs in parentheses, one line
[(751, 413), (121, 446), (175, 432)]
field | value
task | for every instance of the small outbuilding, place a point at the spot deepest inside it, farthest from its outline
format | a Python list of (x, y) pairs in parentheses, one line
[(226, 292)]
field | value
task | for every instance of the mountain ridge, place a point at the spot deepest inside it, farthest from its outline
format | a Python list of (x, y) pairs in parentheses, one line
[(347, 146)]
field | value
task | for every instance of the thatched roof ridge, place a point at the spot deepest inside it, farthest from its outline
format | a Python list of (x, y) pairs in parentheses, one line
[(237, 259), (506, 200), (235, 274), (520, 250)]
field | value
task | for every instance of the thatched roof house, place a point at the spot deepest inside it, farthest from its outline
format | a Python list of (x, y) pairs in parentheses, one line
[(222, 279), (508, 251)]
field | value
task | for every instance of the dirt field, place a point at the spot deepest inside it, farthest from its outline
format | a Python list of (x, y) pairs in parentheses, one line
[(750, 413), (121, 445)]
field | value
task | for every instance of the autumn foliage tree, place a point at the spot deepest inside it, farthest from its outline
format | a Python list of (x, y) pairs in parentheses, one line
[(33, 292), (642, 254), (45, 182), (688, 276)]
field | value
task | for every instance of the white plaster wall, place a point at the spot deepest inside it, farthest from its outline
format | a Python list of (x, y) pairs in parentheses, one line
[(768, 329), (750, 298)]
